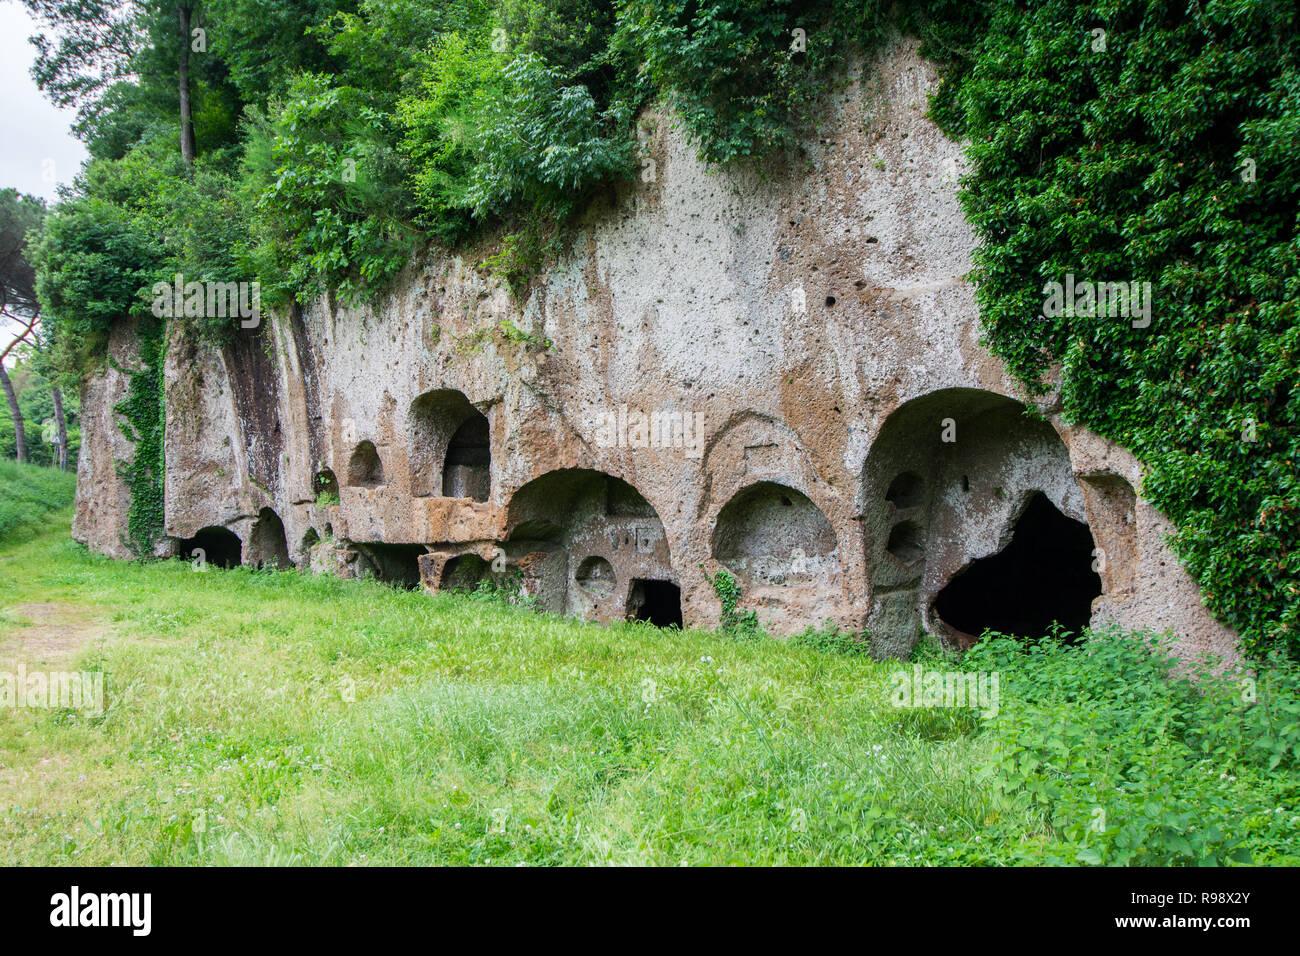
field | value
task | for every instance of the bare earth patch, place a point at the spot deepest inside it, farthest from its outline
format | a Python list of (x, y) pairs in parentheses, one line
[(54, 634)]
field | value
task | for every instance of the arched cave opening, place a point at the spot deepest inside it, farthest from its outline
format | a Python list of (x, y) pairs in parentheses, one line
[(564, 518), (655, 602), (219, 546), (449, 450), (467, 471), (365, 470), (771, 534), (1044, 576), (267, 545), (395, 564), (464, 573)]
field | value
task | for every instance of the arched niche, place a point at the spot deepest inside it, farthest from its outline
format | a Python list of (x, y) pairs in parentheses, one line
[(945, 483), (451, 448), (365, 469), (769, 534), (325, 485), (267, 545), (584, 541)]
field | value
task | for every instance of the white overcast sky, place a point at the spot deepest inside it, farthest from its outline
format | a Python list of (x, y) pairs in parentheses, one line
[(37, 150)]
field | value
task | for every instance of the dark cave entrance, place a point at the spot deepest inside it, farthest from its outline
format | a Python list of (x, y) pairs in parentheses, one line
[(394, 564), (656, 602), (1043, 576), (220, 547), (267, 544)]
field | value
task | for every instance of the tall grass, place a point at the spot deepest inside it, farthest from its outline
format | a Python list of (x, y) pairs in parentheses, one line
[(275, 717), (28, 495)]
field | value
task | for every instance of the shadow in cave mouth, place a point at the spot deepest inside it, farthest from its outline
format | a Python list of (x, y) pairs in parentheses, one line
[(1043, 576), (658, 602), (220, 547), (395, 564)]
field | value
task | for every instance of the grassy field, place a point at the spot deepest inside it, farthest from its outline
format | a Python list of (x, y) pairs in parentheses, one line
[(277, 718), (28, 495)]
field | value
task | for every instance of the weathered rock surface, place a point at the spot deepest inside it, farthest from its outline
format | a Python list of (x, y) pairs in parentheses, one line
[(809, 334), (102, 495)]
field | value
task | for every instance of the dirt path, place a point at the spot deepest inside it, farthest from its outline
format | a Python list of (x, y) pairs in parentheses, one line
[(50, 634)]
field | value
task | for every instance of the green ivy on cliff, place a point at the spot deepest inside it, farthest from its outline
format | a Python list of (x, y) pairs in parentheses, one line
[(143, 424), (1143, 141)]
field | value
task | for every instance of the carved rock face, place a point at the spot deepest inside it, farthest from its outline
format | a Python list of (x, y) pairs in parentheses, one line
[(723, 370)]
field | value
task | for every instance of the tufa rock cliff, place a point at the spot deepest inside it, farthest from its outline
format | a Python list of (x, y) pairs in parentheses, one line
[(777, 374)]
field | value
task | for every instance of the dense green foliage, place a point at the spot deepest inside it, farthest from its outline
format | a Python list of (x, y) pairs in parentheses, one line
[(331, 205), (727, 589), (20, 214), (1167, 157), (29, 494), (740, 76), (278, 717), (1129, 765), (91, 267), (1113, 140), (333, 138)]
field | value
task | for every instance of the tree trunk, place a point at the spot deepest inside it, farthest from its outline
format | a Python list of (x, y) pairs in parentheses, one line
[(20, 435), (62, 425), (183, 64)]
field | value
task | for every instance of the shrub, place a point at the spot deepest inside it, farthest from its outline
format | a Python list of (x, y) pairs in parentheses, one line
[(332, 205), (1130, 762)]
